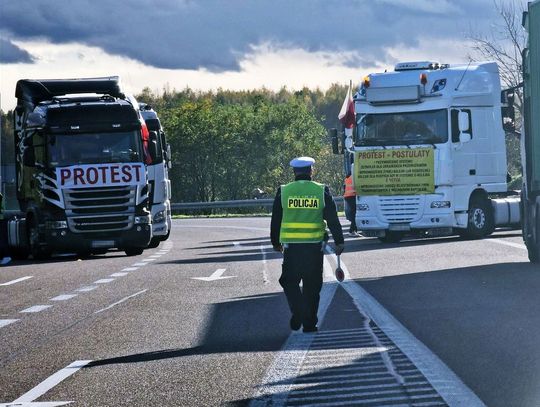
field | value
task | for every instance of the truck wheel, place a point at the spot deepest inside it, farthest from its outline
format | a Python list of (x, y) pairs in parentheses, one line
[(18, 254), (392, 237), (480, 222), (133, 251), (38, 251), (154, 243)]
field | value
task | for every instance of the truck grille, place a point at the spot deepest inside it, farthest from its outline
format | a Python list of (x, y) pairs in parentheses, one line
[(102, 209), (400, 209)]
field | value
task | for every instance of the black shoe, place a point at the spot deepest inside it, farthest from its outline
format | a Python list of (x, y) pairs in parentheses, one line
[(308, 329), (295, 324)]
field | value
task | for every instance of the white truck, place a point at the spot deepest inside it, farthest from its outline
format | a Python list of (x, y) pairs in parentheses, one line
[(429, 152), (158, 177)]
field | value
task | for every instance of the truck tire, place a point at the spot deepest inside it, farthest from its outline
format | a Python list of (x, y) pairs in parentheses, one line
[(391, 237), (154, 243), (18, 254), (480, 220), (37, 250), (133, 251)]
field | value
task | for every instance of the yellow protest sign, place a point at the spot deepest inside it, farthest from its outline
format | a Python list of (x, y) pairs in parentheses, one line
[(403, 171)]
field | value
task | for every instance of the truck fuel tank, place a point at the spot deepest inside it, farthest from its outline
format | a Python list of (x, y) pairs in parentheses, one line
[(506, 211)]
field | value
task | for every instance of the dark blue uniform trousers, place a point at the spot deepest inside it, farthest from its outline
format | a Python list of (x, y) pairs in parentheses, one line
[(303, 262)]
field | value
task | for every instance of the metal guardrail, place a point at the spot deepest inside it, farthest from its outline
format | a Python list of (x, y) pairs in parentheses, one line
[(246, 203)]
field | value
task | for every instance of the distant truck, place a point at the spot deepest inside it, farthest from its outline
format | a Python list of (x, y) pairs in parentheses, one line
[(531, 134), (81, 151), (158, 177), (429, 152)]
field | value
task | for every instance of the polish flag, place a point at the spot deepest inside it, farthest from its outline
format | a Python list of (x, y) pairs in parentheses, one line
[(346, 114)]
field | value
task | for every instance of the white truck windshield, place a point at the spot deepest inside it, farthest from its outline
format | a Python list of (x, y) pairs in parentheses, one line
[(428, 127), (94, 148)]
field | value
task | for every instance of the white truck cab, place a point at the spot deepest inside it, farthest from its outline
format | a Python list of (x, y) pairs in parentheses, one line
[(429, 152)]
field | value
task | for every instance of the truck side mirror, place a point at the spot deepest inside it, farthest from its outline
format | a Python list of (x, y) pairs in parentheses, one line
[(152, 145), (464, 127), (169, 156), (335, 143)]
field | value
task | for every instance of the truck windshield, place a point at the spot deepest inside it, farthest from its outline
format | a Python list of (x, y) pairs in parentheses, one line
[(94, 148), (388, 129)]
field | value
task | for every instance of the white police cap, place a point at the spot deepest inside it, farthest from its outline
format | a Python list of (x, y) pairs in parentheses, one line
[(301, 162)]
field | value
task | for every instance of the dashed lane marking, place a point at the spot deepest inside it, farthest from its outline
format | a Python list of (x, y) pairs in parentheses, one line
[(63, 297), (87, 288), (121, 301), (119, 274), (104, 281), (16, 281), (51, 382), (6, 322), (139, 264), (35, 308), (148, 259), (130, 269)]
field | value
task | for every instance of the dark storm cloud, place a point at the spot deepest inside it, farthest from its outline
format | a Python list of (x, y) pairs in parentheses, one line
[(12, 54), (216, 35)]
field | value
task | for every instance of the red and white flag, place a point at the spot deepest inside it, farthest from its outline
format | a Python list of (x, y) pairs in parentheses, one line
[(346, 114)]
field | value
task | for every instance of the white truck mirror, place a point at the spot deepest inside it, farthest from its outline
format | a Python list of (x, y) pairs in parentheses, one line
[(463, 122), (464, 137)]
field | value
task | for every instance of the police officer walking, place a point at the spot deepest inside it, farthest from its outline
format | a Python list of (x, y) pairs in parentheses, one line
[(298, 229)]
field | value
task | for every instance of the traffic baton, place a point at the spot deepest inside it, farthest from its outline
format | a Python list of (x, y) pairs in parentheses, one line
[(340, 275)]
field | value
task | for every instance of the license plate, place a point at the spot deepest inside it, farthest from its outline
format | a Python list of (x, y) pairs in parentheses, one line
[(102, 243), (401, 228)]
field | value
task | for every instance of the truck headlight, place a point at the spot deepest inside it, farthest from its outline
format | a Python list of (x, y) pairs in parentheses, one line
[(159, 217), (362, 207), (56, 224), (440, 204), (142, 220)]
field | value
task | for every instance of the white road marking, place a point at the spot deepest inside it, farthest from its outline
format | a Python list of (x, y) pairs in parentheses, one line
[(264, 271), (511, 244), (155, 256), (121, 301), (130, 269), (119, 274), (36, 404), (63, 297), (5, 322), (216, 275), (52, 381), (104, 281), (148, 259), (236, 244), (35, 308), (87, 288), (281, 376), (16, 281), (139, 264)]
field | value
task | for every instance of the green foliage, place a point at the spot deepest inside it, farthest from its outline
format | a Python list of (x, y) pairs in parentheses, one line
[(228, 143)]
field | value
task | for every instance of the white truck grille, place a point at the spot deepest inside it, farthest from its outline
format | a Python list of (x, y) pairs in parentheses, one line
[(400, 209)]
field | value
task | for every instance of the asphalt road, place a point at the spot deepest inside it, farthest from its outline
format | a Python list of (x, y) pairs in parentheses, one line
[(423, 322)]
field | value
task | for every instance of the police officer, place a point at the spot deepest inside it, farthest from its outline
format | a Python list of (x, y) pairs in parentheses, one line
[(298, 229), (349, 197)]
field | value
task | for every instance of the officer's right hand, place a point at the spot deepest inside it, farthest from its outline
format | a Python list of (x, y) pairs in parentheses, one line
[(278, 248), (339, 248)]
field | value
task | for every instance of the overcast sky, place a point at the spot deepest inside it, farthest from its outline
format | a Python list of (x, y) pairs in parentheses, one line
[(234, 44)]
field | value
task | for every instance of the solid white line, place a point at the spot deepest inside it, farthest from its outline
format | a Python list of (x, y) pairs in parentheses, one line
[(121, 301), (119, 274), (35, 308), (511, 244), (104, 281), (5, 322), (16, 281), (280, 377), (87, 288), (130, 269), (63, 297), (52, 381), (444, 381)]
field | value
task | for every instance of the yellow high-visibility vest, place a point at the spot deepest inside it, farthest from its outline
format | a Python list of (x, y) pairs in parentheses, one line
[(303, 205)]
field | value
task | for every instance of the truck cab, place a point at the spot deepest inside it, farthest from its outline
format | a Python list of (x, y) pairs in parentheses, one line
[(429, 151), (81, 178)]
